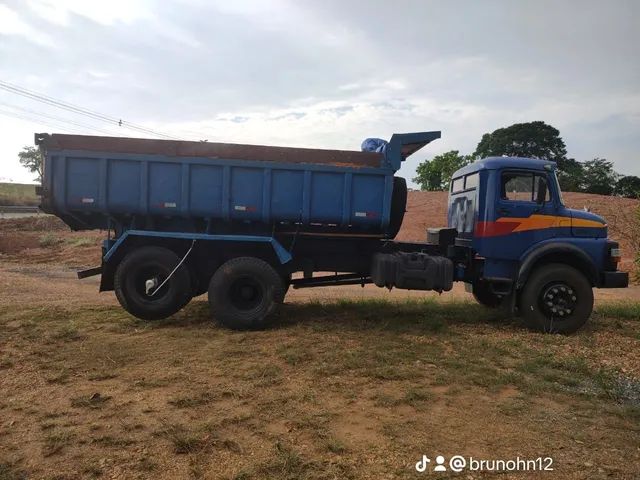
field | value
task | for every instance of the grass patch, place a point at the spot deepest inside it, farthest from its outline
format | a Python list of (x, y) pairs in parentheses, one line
[(187, 441), (9, 471), (101, 376), (68, 333), (146, 465), (6, 364), (296, 354), (335, 445), (265, 375), (192, 401), (416, 397), (50, 240), (60, 378), (514, 407), (286, 464), (81, 242), (412, 315), (93, 471), (619, 310), (55, 442), (18, 194), (94, 401), (113, 442)]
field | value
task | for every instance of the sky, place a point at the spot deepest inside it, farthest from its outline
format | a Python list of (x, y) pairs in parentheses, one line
[(325, 73)]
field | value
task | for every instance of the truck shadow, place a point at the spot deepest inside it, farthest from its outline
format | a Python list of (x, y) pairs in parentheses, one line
[(411, 316), (417, 317)]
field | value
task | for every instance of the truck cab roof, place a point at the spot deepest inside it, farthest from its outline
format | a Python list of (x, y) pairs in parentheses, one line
[(494, 163)]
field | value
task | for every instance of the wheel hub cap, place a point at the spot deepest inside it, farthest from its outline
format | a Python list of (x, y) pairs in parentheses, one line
[(558, 300), (150, 285)]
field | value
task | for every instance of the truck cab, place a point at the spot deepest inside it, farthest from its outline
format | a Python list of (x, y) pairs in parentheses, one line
[(510, 212)]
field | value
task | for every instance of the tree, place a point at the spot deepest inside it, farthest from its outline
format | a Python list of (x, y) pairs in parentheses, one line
[(436, 174), (570, 173), (532, 139), (598, 177), (31, 158), (628, 186)]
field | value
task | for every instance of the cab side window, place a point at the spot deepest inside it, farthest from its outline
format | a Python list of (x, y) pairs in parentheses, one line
[(524, 187)]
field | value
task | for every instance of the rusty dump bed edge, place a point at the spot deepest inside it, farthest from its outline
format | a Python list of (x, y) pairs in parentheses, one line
[(180, 148)]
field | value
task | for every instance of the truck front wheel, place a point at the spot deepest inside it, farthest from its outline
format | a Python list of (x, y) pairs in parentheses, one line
[(557, 298), (140, 286), (243, 292)]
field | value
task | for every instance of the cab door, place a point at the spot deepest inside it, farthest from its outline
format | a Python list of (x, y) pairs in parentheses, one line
[(524, 214)]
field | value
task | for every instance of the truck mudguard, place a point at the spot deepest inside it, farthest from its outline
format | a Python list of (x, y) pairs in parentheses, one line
[(283, 255), (566, 252)]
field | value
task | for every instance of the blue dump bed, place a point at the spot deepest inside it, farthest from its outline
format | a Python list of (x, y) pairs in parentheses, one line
[(110, 182)]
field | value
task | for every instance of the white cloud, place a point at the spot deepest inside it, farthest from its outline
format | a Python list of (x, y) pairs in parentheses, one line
[(102, 12), (12, 24), (330, 73)]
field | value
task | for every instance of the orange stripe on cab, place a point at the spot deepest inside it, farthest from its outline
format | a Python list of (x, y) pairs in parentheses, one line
[(507, 225)]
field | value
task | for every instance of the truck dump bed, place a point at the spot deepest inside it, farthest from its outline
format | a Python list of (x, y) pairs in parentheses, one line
[(96, 182), (230, 151)]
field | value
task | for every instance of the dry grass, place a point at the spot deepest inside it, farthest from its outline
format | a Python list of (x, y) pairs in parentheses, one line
[(348, 389), (334, 389), (18, 194)]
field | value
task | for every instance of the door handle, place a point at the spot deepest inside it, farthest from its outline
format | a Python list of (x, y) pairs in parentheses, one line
[(503, 211)]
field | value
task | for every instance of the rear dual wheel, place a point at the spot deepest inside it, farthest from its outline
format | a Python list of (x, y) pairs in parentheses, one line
[(244, 291), (140, 286)]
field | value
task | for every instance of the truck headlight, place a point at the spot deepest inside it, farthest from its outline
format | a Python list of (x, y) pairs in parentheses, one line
[(615, 254)]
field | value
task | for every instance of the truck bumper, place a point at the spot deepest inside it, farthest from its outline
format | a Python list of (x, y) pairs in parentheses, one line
[(614, 280)]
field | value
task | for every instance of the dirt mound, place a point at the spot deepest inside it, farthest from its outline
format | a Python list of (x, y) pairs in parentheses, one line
[(42, 223), (47, 240), (429, 209)]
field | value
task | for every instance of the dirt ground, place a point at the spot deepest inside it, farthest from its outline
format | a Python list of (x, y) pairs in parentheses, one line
[(354, 383), (337, 389)]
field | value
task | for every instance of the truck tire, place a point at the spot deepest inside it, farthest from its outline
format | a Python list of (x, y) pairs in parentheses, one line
[(152, 264), (243, 292), (398, 206), (484, 296), (557, 298)]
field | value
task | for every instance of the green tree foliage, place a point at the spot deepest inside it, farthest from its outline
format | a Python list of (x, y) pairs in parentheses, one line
[(532, 140), (31, 158), (628, 186), (570, 174), (436, 174), (598, 177)]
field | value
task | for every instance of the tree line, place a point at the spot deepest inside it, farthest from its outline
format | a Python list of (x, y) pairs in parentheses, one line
[(532, 140)]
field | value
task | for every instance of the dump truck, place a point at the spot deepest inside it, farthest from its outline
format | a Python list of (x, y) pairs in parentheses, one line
[(244, 223)]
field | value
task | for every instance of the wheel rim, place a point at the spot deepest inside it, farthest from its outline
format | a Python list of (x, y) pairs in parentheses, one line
[(558, 300), (246, 293), (147, 280)]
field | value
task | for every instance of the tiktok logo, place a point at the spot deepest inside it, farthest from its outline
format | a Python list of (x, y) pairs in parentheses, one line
[(421, 466)]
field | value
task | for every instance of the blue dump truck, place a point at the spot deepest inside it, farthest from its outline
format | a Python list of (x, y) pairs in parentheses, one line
[(236, 221)]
